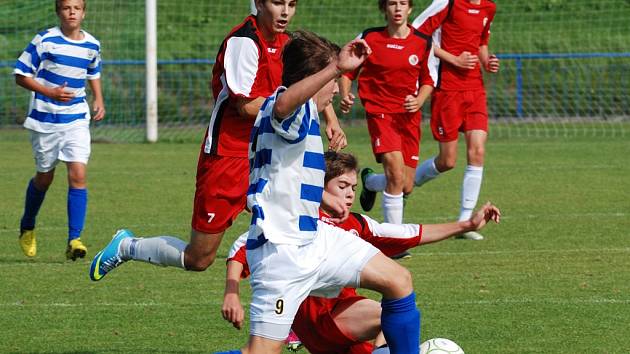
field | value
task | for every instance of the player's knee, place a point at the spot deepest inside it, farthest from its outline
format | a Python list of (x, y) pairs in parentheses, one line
[(476, 154), (403, 281), (446, 164), (198, 263)]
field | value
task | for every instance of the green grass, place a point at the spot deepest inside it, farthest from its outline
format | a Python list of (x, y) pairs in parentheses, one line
[(553, 277)]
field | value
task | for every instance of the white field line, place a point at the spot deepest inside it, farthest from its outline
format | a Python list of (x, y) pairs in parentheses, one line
[(424, 220), (495, 302), (415, 252)]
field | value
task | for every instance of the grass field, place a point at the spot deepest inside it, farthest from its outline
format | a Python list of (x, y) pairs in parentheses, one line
[(553, 277)]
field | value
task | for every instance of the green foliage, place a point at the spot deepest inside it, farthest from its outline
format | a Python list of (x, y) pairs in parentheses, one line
[(553, 277)]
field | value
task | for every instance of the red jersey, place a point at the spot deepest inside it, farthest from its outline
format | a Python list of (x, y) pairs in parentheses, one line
[(246, 66), (457, 26), (396, 68)]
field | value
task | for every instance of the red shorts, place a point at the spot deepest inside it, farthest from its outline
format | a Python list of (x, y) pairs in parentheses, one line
[(221, 192), (316, 328), (395, 132), (457, 111)]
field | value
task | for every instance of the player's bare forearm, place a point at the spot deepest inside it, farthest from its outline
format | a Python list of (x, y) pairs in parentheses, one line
[(465, 60), (488, 61), (350, 57), (438, 232), (336, 136), (298, 93), (232, 310), (57, 93), (347, 98), (98, 105), (248, 108), (424, 93)]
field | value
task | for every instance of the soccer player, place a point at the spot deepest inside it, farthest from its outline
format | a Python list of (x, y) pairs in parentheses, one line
[(54, 66), (248, 68), (461, 32), (290, 253), (349, 322), (394, 83)]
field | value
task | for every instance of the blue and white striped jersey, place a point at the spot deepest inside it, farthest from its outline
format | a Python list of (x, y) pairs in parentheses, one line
[(53, 59), (286, 179)]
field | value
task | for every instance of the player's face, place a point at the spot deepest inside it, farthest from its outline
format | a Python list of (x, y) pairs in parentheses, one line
[(274, 15), (325, 95), (71, 14), (343, 186), (397, 12)]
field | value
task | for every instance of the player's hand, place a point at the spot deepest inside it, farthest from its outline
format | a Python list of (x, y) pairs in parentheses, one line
[(232, 310), (60, 94), (336, 137), (412, 104), (99, 109), (493, 64), (466, 61), (346, 103), (353, 54), (337, 205), (487, 213)]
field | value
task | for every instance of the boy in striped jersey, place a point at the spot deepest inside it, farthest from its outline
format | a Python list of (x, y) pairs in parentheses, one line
[(290, 252), (348, 323), (54, 66)]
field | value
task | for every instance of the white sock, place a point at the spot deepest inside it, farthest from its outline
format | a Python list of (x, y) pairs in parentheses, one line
[(470, 190), (162, 250), (376, 182), (426, 172), (393, 208)]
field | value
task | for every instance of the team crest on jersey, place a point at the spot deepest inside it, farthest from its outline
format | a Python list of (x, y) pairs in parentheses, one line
[(485, 21), (413, 59)]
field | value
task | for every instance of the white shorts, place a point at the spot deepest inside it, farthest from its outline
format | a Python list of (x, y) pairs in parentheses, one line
[(72, 145), (282, 276)]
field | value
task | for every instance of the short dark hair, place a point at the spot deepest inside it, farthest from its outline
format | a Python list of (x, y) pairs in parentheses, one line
[(382, 4), (305, 54), (338, 163), (58, 4)]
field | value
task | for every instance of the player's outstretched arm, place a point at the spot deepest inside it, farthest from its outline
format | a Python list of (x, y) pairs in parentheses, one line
[(232, 310), (98, 104), (350, 57), (438, 232)]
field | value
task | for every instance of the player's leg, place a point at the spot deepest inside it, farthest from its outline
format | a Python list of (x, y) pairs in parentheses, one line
[(400, 318), (75, 152), (392, 203), (77, 200), (352, 262), (380, 129), (360, 320), (447, 116), (45, 152), (475, 130)]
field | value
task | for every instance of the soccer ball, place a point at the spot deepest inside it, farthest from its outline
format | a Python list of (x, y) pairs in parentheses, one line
[(440, 346)]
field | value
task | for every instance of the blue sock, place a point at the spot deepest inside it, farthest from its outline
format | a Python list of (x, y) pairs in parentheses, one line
[(400, 322), (230, 352), (33, 201), (77, 208)]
